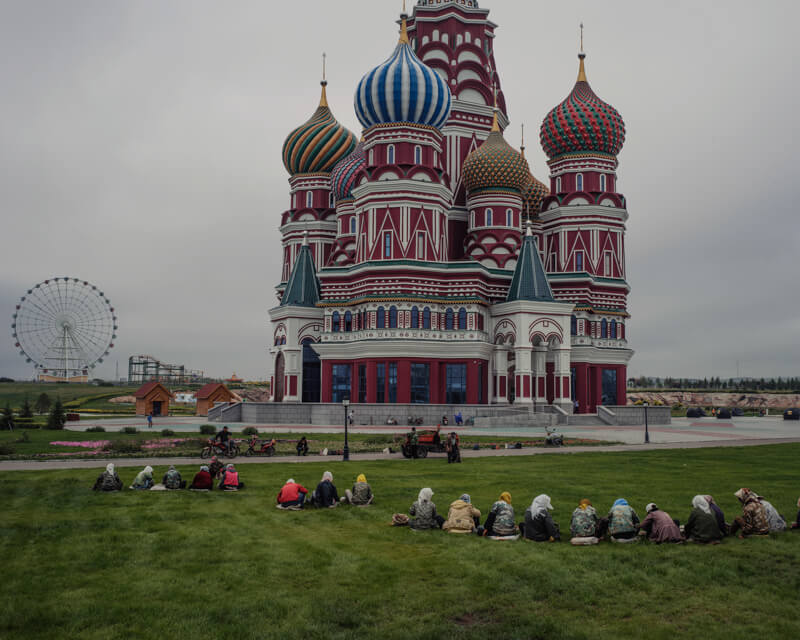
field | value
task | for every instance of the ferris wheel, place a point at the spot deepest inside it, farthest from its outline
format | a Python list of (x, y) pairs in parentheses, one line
[(64, 327)]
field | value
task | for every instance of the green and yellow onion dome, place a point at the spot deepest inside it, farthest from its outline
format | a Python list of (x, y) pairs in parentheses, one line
[(317, 145), (495, 165), (533, 194)]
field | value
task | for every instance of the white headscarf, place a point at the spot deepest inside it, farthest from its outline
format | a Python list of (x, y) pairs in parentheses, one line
[(425, 495), (700, 502), (540, 505), (110, 468), (290, 481), (327, 476), (148, 470), (651, 506)]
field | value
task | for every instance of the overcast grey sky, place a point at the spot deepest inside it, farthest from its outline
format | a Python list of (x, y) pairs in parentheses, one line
[(140, 149)]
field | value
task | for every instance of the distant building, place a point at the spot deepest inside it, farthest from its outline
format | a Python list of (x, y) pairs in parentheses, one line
[(212, 394), (154, 398)]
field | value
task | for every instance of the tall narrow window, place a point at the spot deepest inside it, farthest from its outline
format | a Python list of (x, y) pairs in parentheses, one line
[(579, 182), (573, 329), (420, 382), (417, 155), (335, 322), (372, 157), (448, 320), (309, 199), (509, 218), (380, 382), (353, 224), (390, 154), (614, 329), (330, 199), (362, 383), (604, 328), (348, 322), (381, 318), (392, 382), (456, 384), (393, 317), (387, 244), (558, 185), (579, 261), (421, 245), (462, 318), (603, 182), (426, 318), (340, 382), (607, 263), (489, 217), (414, 317), (339, 223), (472, 219)]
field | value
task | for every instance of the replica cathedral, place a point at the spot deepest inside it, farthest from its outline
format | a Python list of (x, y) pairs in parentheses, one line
[(426, 264)]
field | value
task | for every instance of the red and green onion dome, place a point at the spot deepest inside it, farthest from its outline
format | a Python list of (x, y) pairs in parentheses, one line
[(495, 165), (317, 145), (347, 172), (582, 123), (533, 194)]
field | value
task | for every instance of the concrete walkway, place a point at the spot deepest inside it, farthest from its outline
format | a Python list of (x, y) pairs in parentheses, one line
[(37, 465)]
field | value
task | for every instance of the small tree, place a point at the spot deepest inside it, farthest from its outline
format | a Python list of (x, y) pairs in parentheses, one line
[(57, 417), (43, 403), (8, 418), (26, 411)]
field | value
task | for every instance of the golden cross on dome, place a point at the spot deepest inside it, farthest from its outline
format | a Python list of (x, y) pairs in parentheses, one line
[(323, 99), (581, 37), (324, 55)]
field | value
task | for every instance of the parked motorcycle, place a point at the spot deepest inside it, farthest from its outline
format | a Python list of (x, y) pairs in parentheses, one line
[(216, 448), (257, 448)]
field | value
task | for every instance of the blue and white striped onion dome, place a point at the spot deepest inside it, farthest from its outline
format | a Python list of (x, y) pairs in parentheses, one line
[(346, 173), (403, 89)]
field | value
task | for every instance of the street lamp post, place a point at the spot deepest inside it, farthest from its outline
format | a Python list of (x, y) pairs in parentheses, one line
[(346, 452), (646, 429)]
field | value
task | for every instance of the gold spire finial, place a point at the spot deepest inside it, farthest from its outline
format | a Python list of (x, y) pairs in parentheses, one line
[(323, 99), (403, 26), (581, 57), (495, 122), (522, 144)]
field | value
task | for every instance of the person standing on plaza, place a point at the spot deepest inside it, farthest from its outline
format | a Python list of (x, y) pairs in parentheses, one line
[(413, 441), (150, 420)]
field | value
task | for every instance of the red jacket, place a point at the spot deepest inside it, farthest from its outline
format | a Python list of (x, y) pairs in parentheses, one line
[(291, 492), (202, 480)]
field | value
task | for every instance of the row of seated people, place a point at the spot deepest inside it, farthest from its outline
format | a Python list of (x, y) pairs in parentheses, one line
[(226, 477), (706, 522), (294, 495)]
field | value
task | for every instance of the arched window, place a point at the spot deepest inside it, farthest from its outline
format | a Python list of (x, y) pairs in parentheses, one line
[(283, 340), (417, 155), (426, 318), (603, 182), (445, 38), (448, 320), (390, 154), (335, 322), (414, 318), (573, 329), (579, 182), (489, 217), (459, 40), (339, 224), (381, 318), (558, 185), (468, 36), (348, 322), (604, 328), (330, 199), (435, 35), (309, 199), (462, 318), (614, 329), (372, 157), (471, 219), (509, 218), (353, 224), (393, 317), (478, 42)]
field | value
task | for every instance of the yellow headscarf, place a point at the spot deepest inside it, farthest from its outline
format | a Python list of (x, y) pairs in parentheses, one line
[(584, 503), (361, 478), (506, 497)]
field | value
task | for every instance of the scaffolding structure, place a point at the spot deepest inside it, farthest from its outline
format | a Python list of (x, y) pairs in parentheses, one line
[(144, 368)]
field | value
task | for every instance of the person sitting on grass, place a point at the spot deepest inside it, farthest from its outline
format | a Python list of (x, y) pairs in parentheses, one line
[(500, 519), (659, 526), (462, 517), (775, 520), (702, 525), (108, 480), (143, 479), (202, 480), (172, 479), (718, 514), (215, 468), (229, 481), (584, 521), (753, 521), (424, 512), (361, 495), (539, 525), (622, 520), (325, 495), (796, 523), (302, 446), (292, 495)]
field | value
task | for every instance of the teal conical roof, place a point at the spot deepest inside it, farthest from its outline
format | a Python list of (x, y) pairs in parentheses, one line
[(303, 287), (529, 281)]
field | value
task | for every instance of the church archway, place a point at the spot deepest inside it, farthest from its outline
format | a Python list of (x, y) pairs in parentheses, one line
[(280, 369), (312, 373)]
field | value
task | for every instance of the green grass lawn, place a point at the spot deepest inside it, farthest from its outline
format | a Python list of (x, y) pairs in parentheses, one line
[(193, 565)]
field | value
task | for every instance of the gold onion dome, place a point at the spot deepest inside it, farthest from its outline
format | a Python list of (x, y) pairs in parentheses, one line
[(533, 194), (318, 144), (495, 165)]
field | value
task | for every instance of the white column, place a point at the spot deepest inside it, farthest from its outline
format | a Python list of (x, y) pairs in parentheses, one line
[(540, 373), (500, 374), (561, 378), (522, 356)]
